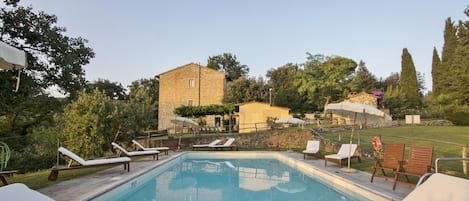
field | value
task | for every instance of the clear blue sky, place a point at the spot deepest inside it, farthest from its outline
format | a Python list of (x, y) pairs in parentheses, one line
[(140, 39)]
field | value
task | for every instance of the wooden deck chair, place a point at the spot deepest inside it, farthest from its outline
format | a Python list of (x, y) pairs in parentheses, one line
[(342, 154), (154, 153), (418, 163), (86, 163), (160, 149), (312, 149), (393, 153)]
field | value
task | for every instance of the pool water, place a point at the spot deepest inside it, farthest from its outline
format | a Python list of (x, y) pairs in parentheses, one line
[(207, 179)]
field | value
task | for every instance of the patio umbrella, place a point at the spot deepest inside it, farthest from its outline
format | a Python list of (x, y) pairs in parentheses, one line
[(12, 58), (289, 120), (359, 112), (183, 121)]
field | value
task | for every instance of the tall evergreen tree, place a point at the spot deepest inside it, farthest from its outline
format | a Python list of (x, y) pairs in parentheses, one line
[(449, 46), (437, 73), (364, 80), (408, 83), (460, 67)]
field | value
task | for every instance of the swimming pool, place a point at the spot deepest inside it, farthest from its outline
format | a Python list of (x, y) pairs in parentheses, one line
[(235, 176)]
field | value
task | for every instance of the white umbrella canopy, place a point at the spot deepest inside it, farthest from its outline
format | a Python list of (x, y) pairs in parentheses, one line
[(357, 112), (363, 112), (289, 120), (11, 58), (184, 121)]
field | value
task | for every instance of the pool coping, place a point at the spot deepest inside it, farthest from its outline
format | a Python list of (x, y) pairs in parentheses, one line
[(79, 188)]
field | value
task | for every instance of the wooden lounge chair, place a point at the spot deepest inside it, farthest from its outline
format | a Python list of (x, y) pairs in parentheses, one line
[(204, 146), (393, 153), (228, 144), (86, 163), (160, 149), (418, 163), (154, 153), (274, 142), (312, 149), (342, 154)]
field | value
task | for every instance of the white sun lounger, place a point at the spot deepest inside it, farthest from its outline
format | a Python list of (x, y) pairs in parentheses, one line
[(160, 149), (228, 144), (154, 153), (312, 148), (86, 163), (20, 192), (342, 154), (201, 146)]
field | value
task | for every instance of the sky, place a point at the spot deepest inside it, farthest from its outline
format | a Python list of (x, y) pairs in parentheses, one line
[(133, 40)]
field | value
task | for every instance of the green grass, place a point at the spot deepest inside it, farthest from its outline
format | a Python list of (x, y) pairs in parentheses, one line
[(446, 140)]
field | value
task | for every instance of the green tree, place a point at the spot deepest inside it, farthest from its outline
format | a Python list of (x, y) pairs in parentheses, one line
[(229, 64), (89, 124), (364, 80), (113, 90), (284, 92), (437, 74), (245, 90), (460, 67), (408, 82), (53, 58), (449, 46)]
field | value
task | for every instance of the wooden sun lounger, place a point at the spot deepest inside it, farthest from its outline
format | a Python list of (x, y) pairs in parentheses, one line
[(154, 153), (342, 154), (86, 163), (160, 149)]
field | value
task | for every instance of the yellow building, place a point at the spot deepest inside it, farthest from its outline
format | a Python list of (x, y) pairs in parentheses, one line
[(253, 116), (190, 84)]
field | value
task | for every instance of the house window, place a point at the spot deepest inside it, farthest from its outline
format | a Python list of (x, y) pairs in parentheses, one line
[(191, 83), (190, 102)]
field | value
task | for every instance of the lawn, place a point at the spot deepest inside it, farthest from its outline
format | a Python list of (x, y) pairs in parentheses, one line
[(447, 141)]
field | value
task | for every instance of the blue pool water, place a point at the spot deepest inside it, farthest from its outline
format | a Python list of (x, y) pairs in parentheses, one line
[(207, 179)]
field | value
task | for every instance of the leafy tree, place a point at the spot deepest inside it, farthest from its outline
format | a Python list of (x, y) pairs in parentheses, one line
[(229, 64), (113, 90), (328, 78), (151, 88), (392, 80), (364, 80), (53, 58), (246, 90), (437, 74), (89, 126), (284, 91), (408, 82)]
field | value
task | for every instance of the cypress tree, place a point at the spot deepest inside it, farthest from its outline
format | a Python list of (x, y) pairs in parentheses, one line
[(460, 67), (437, 73), (449, 46), (408, 82)]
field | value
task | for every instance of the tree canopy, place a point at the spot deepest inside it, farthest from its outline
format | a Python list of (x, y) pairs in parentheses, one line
[(229, 64)]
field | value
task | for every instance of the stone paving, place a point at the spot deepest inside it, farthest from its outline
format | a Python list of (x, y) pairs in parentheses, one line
[(84, 187)]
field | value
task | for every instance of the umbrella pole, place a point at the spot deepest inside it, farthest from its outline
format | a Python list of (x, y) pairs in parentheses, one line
[(349, 169)]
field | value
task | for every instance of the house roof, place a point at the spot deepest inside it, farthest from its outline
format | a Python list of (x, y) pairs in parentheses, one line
[(187, 65)]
